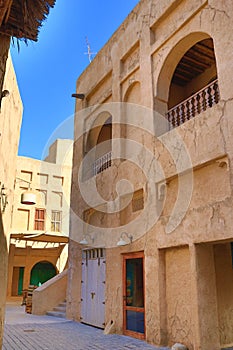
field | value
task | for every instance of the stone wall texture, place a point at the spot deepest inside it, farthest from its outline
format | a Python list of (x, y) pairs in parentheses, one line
[(184, 172), (10, 123)]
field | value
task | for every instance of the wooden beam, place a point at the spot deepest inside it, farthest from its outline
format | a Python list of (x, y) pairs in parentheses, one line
[(181, 77), (202, 54), (208, 44), (184, 73), (194, 61), (194, 67), (40, 238)]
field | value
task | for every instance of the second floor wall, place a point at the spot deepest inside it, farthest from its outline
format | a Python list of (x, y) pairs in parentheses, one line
[(51, 183), (158, 92)]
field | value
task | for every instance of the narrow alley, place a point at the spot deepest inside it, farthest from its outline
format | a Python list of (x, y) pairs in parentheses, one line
[(24, 331)]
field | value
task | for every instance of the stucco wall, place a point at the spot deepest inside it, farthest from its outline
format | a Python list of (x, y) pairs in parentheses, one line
[(10, 123), (50, 181), (27, 258), (182, 286), (224, 281), (51, 184), (73, 306), (178, 291), (60, 152), (53, 292), (114, 290)]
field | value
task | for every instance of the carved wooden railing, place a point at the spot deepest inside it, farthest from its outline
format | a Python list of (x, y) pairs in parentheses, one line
[(195, 104), (102, 163)]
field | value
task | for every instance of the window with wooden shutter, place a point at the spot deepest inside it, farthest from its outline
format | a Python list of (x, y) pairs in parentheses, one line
[(39, 219), (138, 201)]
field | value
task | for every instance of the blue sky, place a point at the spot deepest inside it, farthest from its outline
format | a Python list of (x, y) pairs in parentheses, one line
[(47, 70)]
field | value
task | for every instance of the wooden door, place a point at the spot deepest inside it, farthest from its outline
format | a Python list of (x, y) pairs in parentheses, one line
[(93, 287), (133, 295), (17, 281)]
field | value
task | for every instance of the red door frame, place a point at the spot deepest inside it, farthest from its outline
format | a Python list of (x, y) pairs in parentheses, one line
[(131, 308)]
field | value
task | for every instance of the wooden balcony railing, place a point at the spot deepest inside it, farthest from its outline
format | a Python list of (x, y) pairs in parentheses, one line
[(102, 163), (195, 104)]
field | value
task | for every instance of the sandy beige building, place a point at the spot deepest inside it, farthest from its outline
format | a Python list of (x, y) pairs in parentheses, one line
[(39, 233), (14, 21), (10, 122), (153, 169)]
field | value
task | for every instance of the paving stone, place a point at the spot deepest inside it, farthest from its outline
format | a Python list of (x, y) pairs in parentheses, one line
[(66, 335), (26, 332)]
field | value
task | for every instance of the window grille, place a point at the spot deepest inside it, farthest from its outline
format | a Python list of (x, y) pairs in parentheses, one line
[(96, 253)]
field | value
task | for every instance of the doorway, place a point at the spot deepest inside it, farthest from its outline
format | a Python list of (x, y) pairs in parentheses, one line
[(133, 295), (42, 272), (17, 281), (93, 287)]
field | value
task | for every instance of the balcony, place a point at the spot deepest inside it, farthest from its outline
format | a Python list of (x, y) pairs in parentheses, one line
[(102, 163), (194, 105)]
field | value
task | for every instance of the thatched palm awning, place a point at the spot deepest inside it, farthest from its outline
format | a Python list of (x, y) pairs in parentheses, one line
[(23, 18)]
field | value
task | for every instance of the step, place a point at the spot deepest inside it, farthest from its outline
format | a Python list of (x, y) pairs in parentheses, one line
[(56, 314), (58, 311), (62, 304), (59, 308)]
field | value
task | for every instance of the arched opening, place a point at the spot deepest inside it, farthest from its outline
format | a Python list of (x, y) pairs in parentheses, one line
[(103, 152), (187, 83), (99, 142), (105, 135), (133, 93), (42, 272), (194, 84)]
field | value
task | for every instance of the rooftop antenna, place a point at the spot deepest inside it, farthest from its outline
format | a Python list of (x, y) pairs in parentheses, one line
[(89, 52)]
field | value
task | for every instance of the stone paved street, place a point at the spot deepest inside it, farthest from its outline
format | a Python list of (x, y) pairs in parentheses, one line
[(27, 332)]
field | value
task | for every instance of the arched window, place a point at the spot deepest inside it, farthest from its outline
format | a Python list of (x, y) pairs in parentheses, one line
[(192, 79), (98, 148), (103, 152)]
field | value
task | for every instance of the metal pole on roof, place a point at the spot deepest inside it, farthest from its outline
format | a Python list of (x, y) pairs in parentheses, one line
[(89, 52)]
